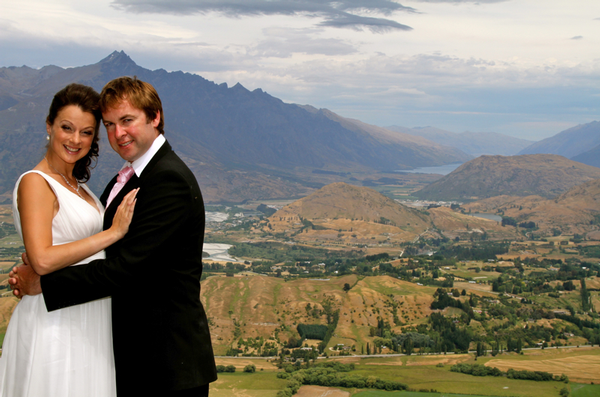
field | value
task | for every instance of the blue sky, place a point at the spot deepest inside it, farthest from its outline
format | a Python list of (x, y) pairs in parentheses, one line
[(526, 68)]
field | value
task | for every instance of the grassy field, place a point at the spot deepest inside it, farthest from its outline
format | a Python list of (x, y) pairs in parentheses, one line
[(583, 390), (423, 373), (258, 384), (378, 393), (441, 379)]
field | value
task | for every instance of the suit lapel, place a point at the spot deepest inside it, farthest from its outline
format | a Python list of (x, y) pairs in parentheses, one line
[(162, 152), (134, 182)]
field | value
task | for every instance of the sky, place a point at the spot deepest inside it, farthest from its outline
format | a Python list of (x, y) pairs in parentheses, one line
[(524, 68)]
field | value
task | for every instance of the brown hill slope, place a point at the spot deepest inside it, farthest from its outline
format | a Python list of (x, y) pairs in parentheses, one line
[(269, 307), (575, 211), (454, 224), (488, 176), (340, 207)]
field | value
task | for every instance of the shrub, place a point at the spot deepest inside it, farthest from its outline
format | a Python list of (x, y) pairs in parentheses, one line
[(250, 368)]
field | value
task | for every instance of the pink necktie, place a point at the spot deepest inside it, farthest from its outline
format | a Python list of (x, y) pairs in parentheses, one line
[(124, 175)]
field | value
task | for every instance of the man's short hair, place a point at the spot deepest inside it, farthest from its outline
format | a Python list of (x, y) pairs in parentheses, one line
[(138, 93)]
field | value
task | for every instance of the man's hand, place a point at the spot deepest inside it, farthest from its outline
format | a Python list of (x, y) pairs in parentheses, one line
[(23, 280)]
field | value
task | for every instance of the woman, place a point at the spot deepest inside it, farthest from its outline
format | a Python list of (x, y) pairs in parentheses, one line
[(67, 352)]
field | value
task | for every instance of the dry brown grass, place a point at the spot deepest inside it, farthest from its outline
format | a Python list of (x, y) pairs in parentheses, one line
[(7, 306), (240, 363), (582, 367), (321, 391)]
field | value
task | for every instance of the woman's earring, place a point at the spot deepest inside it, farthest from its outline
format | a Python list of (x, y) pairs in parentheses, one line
[(47, 137)]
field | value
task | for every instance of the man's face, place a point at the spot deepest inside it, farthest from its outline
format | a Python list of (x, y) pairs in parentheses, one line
[(130, 133)]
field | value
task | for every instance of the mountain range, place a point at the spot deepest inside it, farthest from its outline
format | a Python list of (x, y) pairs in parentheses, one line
[(240, 144), (473, 143), (580, 143)]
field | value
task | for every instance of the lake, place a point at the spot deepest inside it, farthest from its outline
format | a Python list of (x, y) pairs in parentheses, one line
[(492, 217), (442, 169)]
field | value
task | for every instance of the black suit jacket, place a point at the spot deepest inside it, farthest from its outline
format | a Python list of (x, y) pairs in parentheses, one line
[(160, 330)]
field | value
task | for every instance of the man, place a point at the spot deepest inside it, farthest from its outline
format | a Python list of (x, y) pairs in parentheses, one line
[(160, 330)]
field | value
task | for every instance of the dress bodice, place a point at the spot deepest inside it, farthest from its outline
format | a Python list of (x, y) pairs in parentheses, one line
[(76, 218)]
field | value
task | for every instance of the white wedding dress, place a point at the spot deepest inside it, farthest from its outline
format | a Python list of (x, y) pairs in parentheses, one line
[(67, 352)]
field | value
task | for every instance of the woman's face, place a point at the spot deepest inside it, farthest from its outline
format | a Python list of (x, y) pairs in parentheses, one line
[(71, 134)]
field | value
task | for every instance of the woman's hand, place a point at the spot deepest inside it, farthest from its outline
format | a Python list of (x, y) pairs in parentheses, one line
[(124, 214)]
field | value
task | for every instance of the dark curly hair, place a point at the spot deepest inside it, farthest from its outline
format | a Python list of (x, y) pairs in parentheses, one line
[(87, 99)]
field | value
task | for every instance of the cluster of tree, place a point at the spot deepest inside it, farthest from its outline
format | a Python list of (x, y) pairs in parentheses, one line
[(332, 321), (333, 377), (476, 370), (258, 345), (280, 252), (478, 251), (507, 220), (268, 211), (312, 331), (527, 225), (536, 375), (411, 340), (482, 370), (443, 300), (7, 229), (451, 336), (223, 368)]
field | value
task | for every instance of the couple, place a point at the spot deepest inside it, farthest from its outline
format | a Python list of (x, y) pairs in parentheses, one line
[(151, 269)]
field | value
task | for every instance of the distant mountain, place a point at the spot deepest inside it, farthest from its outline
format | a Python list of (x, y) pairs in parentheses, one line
[(488, 176), (568, 143), (240, 144), (591, 157), (411, 150), (473, 143)]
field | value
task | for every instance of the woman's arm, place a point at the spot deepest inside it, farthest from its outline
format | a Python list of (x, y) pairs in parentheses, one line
[(37, 207)]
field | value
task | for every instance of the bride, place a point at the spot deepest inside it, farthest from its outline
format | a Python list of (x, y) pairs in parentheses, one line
[(66, 352)]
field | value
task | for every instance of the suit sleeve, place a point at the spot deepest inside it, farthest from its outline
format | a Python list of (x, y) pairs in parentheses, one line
[(163, 204)]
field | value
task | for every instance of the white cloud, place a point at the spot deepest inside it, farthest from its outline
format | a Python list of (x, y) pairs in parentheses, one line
[(476, 65)]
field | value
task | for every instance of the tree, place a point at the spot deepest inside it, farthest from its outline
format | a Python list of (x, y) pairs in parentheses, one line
[(519, 346), (250, 368), (408, 346), (346, 287)]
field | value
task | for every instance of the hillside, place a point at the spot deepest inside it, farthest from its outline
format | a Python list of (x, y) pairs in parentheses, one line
[(240, 144), (453, 224), (591, 157), (346, 212), (413, 151), (473, 143), (575, 211), (525, 175), (568, 143), (260, 306)]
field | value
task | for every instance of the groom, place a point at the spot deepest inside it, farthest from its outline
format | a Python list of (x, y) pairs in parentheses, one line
[(160, 330)]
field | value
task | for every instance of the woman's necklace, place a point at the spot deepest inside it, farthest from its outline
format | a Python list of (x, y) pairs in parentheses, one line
[(66, 180)]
